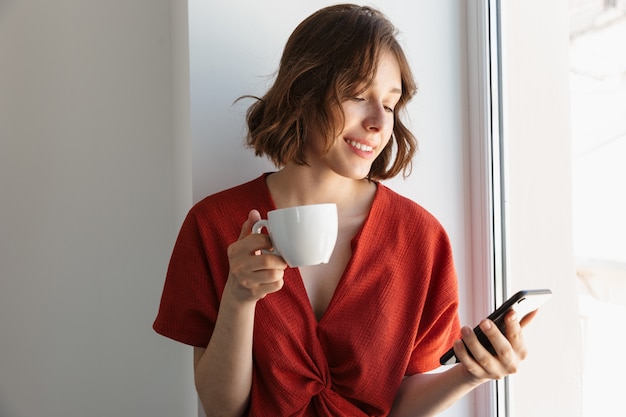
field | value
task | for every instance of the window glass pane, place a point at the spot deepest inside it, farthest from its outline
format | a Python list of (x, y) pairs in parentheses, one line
[(598, 122)]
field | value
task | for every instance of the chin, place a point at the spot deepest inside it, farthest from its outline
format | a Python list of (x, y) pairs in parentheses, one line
[(357, 176)]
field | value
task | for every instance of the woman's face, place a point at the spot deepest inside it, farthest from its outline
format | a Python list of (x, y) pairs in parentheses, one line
[(368, 126)]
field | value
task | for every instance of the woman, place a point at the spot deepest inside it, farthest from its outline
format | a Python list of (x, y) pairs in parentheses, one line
[(358, 335)]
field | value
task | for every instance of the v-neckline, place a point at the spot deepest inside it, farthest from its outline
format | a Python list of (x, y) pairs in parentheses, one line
[(346, 276), (300, 287)]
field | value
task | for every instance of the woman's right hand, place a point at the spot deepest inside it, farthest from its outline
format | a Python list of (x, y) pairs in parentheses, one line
[(253, 274), (223, 371)]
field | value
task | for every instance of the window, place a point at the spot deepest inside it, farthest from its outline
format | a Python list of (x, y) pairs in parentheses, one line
[(537, 203), (598, 126)]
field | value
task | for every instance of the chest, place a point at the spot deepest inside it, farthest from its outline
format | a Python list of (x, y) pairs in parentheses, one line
[(320, 281)]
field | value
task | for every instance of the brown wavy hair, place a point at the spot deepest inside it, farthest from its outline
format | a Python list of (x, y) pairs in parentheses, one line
[(328, 58)]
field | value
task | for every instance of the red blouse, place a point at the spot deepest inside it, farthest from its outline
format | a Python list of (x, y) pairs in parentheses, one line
[(393, 313)]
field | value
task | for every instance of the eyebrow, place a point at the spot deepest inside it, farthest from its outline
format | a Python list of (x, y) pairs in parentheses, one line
[(396, 91)]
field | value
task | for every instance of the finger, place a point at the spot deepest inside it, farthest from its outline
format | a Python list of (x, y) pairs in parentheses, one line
[(472, 343), (253, 287), (462, 354), (498, 341), (460, 348), (465, 357), (252, 277), (246, 228), (273, 286), (528, 318), (263, 276), (515, 336), (267, 260), (511, 325), (239, 252), (241, 261)]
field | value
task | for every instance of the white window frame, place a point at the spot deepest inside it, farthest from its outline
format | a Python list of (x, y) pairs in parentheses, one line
[(487, 184)]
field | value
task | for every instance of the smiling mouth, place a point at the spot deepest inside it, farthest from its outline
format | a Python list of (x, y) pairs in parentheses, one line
[(360, 146)]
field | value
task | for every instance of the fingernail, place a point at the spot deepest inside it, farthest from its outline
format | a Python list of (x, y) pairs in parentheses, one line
[(466, 331), (485, 325)]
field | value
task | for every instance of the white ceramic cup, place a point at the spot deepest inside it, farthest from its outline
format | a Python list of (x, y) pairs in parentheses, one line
[(302, 235)]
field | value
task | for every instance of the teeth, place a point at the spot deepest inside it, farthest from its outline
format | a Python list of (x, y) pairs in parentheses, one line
[(360, 146)]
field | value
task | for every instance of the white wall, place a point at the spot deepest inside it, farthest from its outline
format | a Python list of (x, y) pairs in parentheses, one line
[(235, 46), (91, 196)]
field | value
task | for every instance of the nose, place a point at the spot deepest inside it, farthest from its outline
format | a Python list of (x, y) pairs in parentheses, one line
[(376, 117)]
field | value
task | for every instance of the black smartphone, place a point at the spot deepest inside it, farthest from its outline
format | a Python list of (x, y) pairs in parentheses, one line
[(523, 302)]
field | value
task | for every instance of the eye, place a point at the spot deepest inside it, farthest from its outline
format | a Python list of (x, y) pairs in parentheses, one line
[(389, 109), (357, 99)]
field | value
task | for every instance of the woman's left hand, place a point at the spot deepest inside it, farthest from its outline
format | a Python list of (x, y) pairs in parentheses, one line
[(510, 349)]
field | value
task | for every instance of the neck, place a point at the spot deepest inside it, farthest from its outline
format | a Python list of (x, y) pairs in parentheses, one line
[(298, 185)]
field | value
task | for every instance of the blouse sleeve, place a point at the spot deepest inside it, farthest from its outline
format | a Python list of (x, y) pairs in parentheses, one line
[(439, 325), (189, 302)]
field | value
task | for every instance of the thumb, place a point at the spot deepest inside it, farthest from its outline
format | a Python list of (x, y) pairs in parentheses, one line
[(246, 228)]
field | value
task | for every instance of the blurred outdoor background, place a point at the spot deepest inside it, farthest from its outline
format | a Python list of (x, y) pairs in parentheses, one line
[(598, 134)]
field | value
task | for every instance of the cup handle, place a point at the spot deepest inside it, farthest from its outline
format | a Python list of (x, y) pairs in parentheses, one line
[(260, 225)]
